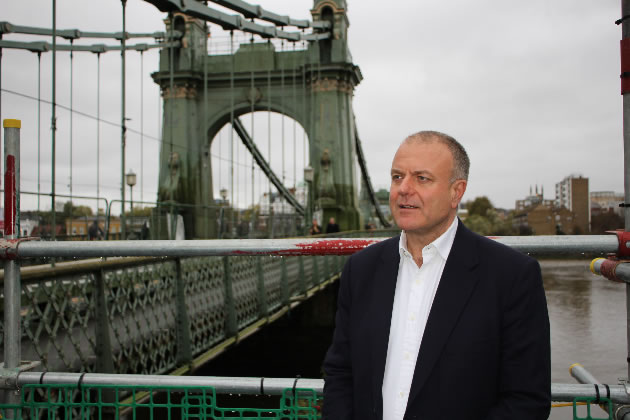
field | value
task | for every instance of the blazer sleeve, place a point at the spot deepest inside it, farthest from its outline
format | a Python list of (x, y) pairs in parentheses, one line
[(338, 386), (525, 369)]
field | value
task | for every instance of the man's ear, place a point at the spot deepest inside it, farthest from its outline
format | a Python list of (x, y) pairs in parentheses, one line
[(458, 188)]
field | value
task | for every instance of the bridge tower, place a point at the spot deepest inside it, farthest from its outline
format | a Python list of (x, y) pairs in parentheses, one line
[(313, 86)]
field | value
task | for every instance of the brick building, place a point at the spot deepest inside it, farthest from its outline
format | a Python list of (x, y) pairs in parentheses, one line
[(572, 193)]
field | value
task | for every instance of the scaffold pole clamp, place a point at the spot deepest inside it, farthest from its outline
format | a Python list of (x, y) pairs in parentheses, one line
[(624, 242)]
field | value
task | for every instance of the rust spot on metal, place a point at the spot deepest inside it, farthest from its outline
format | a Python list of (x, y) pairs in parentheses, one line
[(334, 247), (320, 247)]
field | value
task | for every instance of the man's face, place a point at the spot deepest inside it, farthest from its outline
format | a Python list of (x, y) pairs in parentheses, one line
[(422, 198)]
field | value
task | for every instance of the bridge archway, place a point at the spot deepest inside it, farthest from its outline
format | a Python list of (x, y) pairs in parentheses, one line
[(259, 76), (241, 182)]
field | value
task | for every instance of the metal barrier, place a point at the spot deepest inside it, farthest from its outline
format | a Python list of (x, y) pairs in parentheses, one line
[(99, 315), (153, 315)]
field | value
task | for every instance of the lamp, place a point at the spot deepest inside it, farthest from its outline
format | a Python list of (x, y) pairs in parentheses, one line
[(131, 181)]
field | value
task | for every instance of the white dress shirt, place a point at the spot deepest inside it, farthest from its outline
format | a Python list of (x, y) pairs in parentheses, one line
[(415, 290)]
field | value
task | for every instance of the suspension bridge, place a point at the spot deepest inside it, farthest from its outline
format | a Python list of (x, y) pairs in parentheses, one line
[(154, 316)]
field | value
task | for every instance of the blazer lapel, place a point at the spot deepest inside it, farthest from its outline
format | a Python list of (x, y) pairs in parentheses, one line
[(384, 282), (456, 285)]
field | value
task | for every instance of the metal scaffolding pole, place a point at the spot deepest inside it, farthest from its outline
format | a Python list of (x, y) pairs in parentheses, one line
[(267, 386), (12, 287), (575, 245), (625, 90), (123, 131)]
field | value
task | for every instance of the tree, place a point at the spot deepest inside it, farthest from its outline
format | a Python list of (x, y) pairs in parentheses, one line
[(479, 224), (484, 219), (479, 206), (76, 211)]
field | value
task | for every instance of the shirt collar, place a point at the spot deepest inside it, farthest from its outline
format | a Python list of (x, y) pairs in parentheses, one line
[(442, 244)]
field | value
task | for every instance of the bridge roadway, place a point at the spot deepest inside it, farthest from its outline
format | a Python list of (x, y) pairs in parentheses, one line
[(157, 315)]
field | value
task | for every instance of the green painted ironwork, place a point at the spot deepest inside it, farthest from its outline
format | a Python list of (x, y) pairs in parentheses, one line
[(152, 315), (318, 96), (109, 401), (604, 402)]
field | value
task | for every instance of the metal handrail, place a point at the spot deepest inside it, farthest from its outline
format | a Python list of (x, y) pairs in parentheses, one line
[(575, 245), (270, 386)]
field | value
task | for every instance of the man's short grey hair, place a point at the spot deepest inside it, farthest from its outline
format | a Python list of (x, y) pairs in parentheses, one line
[(461, 162)]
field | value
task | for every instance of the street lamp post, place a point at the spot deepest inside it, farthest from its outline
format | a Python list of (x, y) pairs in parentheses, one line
[(131, 181), (308, 177)]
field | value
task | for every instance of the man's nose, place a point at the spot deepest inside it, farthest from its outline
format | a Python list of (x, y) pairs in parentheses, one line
[(404, 187)]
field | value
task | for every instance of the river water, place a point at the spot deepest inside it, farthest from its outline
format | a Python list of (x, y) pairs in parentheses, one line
[(588, 324)]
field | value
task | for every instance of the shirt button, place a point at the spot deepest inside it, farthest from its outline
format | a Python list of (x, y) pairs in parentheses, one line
[(412, 317), (402, 394), (406, 355)]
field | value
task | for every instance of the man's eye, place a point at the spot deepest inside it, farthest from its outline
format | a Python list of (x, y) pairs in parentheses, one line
[(422, 178), (396, 177)]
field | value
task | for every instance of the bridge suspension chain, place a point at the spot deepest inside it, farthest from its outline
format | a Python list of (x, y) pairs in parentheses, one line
[(232, 22), (366, 179)]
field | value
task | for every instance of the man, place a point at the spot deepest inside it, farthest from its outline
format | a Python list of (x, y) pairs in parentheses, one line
[(95, 232), (315, 229), (332, 226), (438, 323)]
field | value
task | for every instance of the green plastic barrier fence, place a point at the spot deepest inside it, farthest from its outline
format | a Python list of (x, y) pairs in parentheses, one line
[(155, 402), (589, 403)]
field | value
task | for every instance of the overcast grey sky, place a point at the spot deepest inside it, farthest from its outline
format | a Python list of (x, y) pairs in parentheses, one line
[(530, 88)]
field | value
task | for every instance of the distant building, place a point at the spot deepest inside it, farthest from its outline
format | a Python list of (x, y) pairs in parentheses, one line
[(533, 199), (606, 202), (279, 205), (538, 216), (572, 193), (545, 219)]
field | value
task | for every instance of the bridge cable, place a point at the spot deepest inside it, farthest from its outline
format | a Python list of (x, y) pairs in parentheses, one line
[(282, 115), (39, 123), (98, 131), (252, 99), (206, 141), (269, 133), (232, 122), (141, 128), (294, 125), (71, 125), (304, 106)]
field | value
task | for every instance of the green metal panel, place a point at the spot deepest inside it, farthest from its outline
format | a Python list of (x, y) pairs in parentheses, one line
[(124, 318), (161, 402), (184, 351)]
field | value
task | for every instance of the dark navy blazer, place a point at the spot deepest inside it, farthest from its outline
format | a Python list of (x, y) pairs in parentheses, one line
[(485, 353)]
